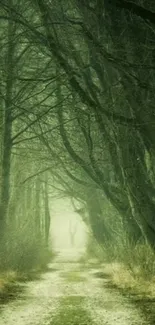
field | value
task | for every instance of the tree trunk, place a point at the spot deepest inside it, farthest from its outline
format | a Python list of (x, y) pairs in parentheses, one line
[(37, 210), (47, 211), (96, 220), (7, 131)]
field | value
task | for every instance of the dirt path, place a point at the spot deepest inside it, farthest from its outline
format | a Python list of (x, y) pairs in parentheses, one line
[(69, 294)]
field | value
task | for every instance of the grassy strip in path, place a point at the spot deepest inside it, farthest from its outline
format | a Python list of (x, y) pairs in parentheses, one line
[(71, 312), (73, 276)]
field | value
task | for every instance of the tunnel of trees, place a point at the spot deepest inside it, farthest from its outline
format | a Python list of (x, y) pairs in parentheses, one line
[(77, 119)]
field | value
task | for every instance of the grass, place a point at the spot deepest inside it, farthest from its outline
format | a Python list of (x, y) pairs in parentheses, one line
[(129, 267), (73, 276), (9, 286), (12, 281), (134, 283), (71, 312), (6, 280)]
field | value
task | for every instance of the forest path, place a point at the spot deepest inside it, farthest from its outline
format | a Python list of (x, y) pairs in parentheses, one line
[(70, 294)]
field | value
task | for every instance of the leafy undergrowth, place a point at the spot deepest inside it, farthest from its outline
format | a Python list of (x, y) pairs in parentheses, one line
[(71, 312)]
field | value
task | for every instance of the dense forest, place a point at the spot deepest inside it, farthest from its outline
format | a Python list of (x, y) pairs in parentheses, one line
[(76, 120)]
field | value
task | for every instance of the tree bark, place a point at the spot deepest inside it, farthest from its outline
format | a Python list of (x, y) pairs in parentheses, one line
[(37, 216), (7, 131), (47, 211)]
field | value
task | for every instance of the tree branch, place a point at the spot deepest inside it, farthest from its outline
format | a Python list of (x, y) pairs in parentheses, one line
[(135, 9)]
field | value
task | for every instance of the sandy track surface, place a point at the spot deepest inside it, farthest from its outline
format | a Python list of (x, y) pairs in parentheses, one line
[(72, 294)]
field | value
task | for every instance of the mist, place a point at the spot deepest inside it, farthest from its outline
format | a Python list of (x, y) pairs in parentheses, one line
[(68, 232)]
